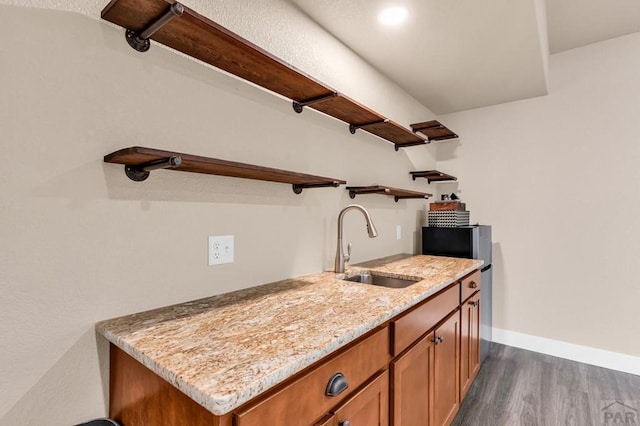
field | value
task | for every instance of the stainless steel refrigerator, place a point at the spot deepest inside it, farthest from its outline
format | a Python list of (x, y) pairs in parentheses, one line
[(472, 242)]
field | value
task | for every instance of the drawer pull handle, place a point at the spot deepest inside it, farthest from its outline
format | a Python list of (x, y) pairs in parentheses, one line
[(473, 284), (337, 384)]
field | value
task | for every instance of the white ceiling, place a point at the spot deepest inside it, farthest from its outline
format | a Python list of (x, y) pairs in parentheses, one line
[(575, 23), (454, 55)]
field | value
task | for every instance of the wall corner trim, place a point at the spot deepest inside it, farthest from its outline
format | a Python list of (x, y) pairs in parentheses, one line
[(598, 357)]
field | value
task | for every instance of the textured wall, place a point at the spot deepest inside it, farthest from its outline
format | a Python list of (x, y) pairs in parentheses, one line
[(81, 243), (282, 29), (558, 179)]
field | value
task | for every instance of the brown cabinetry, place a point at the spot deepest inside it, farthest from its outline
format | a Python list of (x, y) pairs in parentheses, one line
[(426, 377), (368, 407), (469, 342), (469, 285), (412, 380), (412, 371), (408, 327), (446, 371), (306, 399)]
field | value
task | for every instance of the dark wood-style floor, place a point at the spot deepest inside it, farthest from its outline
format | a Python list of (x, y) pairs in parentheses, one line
[(518, 387)]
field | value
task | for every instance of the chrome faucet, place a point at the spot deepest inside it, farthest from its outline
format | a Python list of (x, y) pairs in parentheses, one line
[(342, 257)]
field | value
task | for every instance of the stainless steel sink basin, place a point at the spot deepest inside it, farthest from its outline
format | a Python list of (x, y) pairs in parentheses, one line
[(390, 282)]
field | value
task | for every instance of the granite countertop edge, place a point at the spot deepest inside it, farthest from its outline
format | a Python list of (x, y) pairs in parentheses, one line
[(221, 404)]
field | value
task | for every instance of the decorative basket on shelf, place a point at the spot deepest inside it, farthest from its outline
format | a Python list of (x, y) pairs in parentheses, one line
[(448, 218)]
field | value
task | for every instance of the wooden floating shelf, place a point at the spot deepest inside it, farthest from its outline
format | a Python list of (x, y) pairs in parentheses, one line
[(359, 116), (139, 161), (433, 176), (398, 194), (433, 130), (180, 28)]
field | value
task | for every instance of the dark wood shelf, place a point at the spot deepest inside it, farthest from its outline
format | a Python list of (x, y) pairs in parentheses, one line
[(359, 116), (433, 130), (197, 36), (139, 160), (433, 176), (397, 193)]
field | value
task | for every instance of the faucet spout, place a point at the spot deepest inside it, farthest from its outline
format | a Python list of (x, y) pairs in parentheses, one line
[(341, 257)]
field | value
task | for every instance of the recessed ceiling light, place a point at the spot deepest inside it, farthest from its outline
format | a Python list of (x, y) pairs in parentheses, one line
[(393, 15)]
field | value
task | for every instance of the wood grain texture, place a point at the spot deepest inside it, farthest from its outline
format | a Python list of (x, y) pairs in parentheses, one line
[(395, 133), (433, 130), (470, 284), (329, 420), (409, 327), (520, 387), (199, 37), (137, 155), (346, 109), (451, 205), (138, 397), (446, 371), (387, 190), (433, 176), (469, 342), (412, 384), (204, 39), (303, 402), (368, 407)]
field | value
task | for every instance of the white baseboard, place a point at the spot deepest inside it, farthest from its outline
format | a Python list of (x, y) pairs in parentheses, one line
[(601, 358)]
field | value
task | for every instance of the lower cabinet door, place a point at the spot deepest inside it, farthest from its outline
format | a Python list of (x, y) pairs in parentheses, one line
[(367, 407), (412, 378), (446, 370), (470, 342)]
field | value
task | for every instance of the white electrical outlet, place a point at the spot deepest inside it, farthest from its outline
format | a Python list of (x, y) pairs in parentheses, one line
[(398, 232), (220, 249)]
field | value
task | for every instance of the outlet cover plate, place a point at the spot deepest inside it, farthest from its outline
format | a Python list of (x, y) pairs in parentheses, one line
[(221, 249)]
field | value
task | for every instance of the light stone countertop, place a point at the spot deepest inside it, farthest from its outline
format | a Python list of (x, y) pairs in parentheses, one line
[(224, 350)]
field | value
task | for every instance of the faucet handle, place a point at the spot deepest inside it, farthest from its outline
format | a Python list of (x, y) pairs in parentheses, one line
[(347, 255)]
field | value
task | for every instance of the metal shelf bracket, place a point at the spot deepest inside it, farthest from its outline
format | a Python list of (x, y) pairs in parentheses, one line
[(407, 145), (140, 41), (141, 172), (299, 106), (354, 127), (298, 187)]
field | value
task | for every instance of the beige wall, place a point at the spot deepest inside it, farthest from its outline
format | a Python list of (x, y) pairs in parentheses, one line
[(81, 243), (558, 179), (556, 176)]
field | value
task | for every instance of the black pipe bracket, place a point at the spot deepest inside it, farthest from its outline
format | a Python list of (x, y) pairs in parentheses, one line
[(140, 40), (141, 172), (298, 106), (298, 187), (354, 127)]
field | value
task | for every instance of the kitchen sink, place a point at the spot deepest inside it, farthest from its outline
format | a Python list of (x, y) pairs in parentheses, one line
[(382, 281)]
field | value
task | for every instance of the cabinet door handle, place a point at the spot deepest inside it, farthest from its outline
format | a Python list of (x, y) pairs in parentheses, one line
[(337, 384), (344, 423), (437, 339), (473, 303), (473, 284)]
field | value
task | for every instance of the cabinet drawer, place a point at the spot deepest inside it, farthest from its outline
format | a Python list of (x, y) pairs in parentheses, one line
[(410, 326), (304, 401), (470, 285)]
